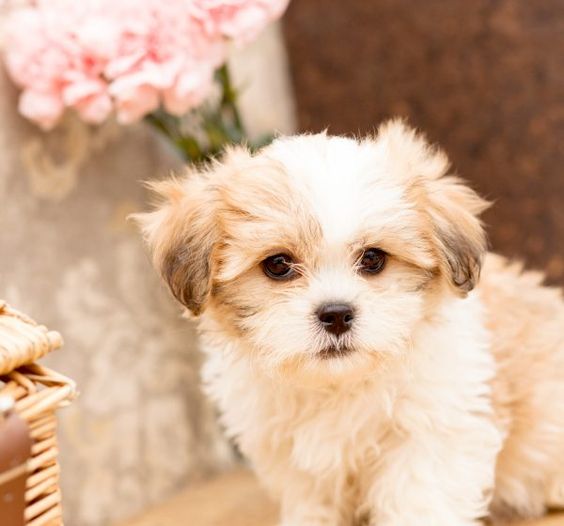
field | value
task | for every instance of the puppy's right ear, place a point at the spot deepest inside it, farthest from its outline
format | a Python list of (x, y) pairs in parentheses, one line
[(181, 234)]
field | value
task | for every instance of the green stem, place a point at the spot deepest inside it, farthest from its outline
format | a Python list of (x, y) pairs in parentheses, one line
[(229, 98), (169, 126), (222, 126)]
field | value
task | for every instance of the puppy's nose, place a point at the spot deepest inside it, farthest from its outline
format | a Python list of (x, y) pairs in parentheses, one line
[(336, 318)]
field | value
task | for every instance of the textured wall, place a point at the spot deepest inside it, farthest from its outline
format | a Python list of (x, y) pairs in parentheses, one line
[(483, 78), (141, 428)]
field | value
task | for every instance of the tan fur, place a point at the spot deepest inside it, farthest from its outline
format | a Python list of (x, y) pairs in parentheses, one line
[(443, 380), (527, 324)]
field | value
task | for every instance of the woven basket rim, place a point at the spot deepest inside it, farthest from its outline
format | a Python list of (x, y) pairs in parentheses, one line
[(22, 340)]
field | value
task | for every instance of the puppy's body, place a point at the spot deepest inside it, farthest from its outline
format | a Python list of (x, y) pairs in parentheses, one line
[(433, 398), (526, 325), (467, 396), (415, 445)]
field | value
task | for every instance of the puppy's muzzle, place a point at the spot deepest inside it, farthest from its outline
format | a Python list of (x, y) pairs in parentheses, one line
[(336, 318)]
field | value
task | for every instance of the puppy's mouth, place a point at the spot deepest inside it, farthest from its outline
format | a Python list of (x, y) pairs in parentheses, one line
[(333, 352)]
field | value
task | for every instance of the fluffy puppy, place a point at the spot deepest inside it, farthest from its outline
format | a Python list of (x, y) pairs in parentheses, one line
[(357, 359)]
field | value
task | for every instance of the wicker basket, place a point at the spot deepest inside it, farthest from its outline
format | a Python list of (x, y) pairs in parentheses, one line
[(37, 392)]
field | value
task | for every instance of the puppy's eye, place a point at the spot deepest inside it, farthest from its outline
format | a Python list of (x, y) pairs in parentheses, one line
[(278, 267), (372, 261)]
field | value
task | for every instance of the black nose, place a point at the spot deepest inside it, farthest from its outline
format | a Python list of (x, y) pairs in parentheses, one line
[(336, 318)]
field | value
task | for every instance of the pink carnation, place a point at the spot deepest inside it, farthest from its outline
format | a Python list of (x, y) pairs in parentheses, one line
[(240, 20), (126, 57)]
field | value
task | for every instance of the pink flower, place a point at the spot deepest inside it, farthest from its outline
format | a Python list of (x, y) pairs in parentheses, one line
[(189, 90), (44, 108), (240, 20), (126, 57), (135, 96), (90, 98)]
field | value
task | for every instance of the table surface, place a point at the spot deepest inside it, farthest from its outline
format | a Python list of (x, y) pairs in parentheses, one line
[(235, 499)]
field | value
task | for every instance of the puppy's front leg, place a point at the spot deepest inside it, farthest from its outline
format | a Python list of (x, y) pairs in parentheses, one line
[(435, 479)]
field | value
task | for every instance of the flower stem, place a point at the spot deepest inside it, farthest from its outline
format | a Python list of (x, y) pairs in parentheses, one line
[(229, 98), (222, 126), (170, 127)]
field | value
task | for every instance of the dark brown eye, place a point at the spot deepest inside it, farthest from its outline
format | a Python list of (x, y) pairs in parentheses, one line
[(372, 261), (278, 266)]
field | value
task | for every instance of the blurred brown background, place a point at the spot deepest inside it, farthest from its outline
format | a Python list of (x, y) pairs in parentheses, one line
[(484, 78)]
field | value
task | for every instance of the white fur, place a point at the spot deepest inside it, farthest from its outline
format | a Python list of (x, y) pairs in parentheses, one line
[(418, 440)]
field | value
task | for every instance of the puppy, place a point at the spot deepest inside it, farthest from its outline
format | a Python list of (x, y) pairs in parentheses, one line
[(357, 359)]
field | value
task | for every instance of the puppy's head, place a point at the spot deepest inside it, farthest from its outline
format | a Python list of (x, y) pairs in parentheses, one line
[(320, 255)]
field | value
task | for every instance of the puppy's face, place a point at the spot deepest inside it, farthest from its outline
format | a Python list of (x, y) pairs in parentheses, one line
[(321, 255)]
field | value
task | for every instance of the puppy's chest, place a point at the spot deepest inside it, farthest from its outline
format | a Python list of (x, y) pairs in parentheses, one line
[(329, 431), (317, 431)]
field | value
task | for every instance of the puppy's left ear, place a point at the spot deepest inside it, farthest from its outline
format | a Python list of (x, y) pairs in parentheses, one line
[(460, 240), (181, 234), (450, 207)]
